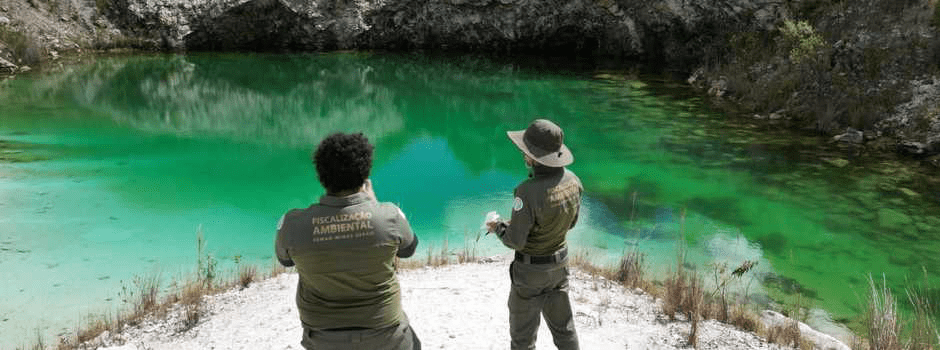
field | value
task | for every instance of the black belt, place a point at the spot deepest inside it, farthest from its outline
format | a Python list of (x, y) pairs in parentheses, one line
[(559, 256), (341, 329)]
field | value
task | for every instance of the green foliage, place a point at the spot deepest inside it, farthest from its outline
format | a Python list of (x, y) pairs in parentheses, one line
[(103, 6), (936, 15), (804, 42), (15, 40), (26, 49), (206, 268)]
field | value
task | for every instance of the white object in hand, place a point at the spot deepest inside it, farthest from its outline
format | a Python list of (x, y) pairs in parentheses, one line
[(490, 217)]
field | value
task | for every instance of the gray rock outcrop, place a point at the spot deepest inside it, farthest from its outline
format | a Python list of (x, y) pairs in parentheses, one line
[(667, 30), (6, 67), (917, 122)]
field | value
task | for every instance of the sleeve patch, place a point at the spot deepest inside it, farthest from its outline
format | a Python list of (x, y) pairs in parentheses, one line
[(517, 204)]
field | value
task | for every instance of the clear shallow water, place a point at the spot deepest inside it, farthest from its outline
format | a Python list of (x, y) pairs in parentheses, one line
[(130, 156)]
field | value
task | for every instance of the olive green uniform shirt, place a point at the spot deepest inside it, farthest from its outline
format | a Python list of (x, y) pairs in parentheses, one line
[(344, 249), (545, 207)]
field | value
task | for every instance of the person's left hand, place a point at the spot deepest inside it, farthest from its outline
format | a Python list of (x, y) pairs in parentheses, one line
[(491, 226)]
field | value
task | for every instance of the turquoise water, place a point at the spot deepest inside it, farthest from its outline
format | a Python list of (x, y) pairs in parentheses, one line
[(109, 168)]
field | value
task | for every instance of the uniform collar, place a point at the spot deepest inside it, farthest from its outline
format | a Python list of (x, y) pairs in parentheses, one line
[(539, 170), (353, 199)]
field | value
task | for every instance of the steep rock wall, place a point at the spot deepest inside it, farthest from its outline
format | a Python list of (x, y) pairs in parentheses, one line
[(660, 31)]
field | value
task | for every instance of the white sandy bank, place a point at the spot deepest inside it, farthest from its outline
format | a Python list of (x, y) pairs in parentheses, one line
[(451, 307)]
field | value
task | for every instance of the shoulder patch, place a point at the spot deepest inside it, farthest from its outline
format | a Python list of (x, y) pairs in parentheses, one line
[(517, 204)]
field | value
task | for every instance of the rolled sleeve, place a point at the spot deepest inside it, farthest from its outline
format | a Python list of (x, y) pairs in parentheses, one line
[(280, 246), (408, 240)]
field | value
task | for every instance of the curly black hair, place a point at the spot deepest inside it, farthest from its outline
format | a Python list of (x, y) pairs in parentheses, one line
[(343, 161)]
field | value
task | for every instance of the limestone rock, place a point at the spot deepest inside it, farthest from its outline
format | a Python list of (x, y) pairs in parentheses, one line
[(820, 340), (719, 87), (6, 67), (912, 148), (837, 162), (851, 136)]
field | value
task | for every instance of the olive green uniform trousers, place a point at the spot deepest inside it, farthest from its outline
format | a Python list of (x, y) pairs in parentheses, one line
[(540, 289), (400, 337)]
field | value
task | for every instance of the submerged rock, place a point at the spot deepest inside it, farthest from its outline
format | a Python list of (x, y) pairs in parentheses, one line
[(893, 219)]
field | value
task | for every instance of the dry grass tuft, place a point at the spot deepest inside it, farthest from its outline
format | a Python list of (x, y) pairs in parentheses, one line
[(924, 334), (468, 254), (94, 327), (582, 261), (787, 334), (191, 300), (881, 318), (276, 269), (630, 271), (246, 275), (744, 319), (440, 258), (679, 291)]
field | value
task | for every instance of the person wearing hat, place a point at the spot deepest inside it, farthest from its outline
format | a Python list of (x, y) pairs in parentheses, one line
[(545, 207), (344, 249)]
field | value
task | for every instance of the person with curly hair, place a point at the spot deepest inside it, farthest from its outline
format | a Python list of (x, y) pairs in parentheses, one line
[(344, 248)]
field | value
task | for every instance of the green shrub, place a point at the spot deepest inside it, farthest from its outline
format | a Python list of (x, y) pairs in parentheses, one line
[(936, 15), (25, 48), (804, 43)]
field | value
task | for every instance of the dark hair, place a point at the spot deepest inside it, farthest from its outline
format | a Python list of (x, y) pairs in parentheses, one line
[(343, 161)]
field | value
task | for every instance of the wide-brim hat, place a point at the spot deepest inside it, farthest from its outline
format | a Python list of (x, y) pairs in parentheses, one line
[(544, 142)]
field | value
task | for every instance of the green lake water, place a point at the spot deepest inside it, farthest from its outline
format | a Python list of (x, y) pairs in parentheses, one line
[(109, 168)]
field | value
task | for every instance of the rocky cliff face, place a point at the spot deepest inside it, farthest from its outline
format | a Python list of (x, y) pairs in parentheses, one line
[(662, 31)]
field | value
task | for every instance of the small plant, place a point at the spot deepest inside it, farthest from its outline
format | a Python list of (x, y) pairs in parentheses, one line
[(723, 282), (206, 263), (804, 43)]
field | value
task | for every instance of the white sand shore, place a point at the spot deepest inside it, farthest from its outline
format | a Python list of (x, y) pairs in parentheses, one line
[(451, 307)]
